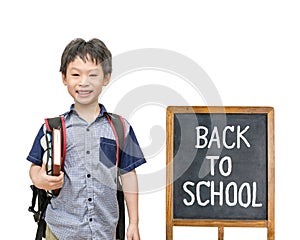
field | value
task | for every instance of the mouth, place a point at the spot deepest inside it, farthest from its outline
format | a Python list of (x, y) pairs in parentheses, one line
[(83, 93)]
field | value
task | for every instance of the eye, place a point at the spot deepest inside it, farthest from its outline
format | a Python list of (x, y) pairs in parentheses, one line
[(75, 75), (93, 75)]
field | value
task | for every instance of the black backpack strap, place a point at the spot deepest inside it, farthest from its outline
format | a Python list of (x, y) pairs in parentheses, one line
[(53, 123), (41, 230), (33, 201), (118, 126), (38, 215)]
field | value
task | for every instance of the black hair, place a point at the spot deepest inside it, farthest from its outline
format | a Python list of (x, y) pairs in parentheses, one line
[(94, 50)]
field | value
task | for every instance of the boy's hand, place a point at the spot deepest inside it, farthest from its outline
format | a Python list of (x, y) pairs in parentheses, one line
[(133, 232), (41, 180)]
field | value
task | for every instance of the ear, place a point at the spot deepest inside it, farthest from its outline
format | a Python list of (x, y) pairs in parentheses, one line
[(106, 79), (64, 79)]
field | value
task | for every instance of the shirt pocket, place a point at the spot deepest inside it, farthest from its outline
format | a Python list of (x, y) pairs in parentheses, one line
[(108, 152)]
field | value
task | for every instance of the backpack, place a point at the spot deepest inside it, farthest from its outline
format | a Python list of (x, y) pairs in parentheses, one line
[(118, 127)]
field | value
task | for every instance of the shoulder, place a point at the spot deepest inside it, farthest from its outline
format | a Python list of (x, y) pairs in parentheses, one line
[(119, 119)]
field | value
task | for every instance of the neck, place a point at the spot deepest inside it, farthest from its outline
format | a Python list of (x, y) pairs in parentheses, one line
[(88, 112)]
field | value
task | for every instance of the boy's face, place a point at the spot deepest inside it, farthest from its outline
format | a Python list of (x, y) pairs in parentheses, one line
[(84, 81)]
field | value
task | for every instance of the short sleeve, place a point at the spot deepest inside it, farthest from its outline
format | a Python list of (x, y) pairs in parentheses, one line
[(36, 153), (132, 155)]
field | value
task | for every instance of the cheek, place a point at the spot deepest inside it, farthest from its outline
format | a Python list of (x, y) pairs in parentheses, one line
[(70, 88), (69, 84), (71, 91)]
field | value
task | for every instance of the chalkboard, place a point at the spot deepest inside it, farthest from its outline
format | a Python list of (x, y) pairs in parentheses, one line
[(220, 167)]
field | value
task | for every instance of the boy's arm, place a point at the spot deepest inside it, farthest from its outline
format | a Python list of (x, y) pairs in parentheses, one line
[(41, 180), (130, 189)]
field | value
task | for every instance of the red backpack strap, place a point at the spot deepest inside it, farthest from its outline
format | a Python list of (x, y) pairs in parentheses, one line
[(58, 122), (64, 142)]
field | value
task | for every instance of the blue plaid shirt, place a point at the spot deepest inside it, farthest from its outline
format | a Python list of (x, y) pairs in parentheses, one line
[(87, 207)]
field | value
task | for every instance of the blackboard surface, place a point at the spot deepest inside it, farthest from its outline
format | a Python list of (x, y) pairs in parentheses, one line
[(220, 168), (248, 167)]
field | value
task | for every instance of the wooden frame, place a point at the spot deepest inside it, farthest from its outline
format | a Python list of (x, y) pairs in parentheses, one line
[(270, 222)]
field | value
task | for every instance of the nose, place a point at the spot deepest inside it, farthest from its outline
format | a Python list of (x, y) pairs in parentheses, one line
[(83, 81)]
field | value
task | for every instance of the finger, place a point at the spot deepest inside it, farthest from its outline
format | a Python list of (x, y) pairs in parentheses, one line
[(55, 179), (55, 183)]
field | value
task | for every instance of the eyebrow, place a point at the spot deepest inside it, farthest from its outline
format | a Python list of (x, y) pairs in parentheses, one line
[(89, 70)]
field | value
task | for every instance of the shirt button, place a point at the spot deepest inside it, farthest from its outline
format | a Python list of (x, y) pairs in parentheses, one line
[(88, 175), (87, 129), (89, 199), (87, 152), (90, 219)]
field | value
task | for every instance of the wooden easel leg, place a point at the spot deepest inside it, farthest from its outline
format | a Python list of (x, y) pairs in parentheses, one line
[(271, 235), (169, 232), (220, 233)]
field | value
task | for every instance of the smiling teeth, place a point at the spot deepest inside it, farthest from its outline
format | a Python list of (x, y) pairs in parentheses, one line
[(83, 91)]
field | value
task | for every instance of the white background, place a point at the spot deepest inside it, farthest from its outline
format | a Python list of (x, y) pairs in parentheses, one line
[(249, 49)]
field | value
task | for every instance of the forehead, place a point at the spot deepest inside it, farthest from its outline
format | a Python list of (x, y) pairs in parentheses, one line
[(84, 64)]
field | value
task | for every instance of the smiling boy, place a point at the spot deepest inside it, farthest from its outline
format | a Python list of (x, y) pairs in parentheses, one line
[(86, 207)]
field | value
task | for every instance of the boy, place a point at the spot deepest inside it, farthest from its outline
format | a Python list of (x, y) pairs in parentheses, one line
[(86, 207)]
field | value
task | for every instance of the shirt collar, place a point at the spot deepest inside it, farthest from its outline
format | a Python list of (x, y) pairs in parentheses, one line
[(102, 110)]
